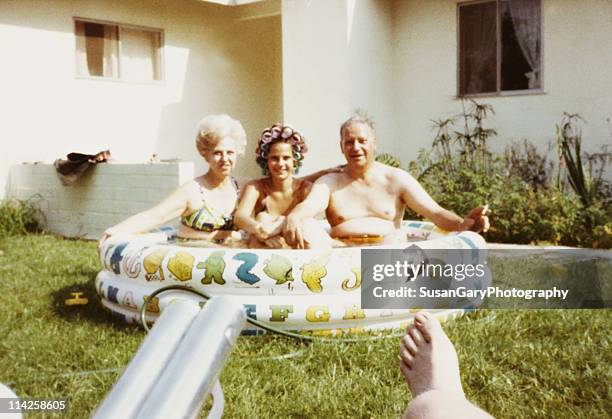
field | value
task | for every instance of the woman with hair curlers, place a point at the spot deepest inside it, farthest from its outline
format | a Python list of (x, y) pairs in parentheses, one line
[(266, 201)]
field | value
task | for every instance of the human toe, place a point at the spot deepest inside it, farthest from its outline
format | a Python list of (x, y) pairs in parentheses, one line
[(422, 317), (416, 336), (405, 369), (409, 344), (406, 357), (427, 324)]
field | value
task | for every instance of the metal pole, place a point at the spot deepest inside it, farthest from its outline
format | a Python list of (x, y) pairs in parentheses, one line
[(128, 394), (197, 362)]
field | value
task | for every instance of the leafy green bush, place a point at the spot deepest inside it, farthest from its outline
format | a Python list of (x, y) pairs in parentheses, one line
[(593, 227), (526, 205), (524, 161), (19, 217), (389, 159), (519, 213)]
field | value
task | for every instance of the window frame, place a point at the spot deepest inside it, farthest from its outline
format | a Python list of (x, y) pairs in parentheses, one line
[(160, 56), (498, 92)]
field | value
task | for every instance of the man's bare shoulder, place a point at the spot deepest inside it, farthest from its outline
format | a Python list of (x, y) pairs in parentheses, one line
[(392, 173), (398, 179)]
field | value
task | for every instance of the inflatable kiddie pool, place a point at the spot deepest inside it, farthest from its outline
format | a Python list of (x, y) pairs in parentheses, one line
[(300, 290)]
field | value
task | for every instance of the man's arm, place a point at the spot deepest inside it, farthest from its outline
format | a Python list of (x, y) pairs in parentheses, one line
[(415, 197), (313, 177), (313, 204)]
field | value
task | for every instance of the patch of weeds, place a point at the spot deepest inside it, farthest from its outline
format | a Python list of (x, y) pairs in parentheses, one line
[(18, 217)]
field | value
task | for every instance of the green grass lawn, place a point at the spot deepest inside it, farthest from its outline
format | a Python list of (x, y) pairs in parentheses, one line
[(514, 363)]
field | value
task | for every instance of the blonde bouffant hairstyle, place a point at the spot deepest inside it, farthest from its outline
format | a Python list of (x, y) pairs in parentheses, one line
[(213, 128)]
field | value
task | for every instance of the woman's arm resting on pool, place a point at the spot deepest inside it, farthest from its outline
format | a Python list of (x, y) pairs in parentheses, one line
[(315, 203), (244, 217), (414, 196), (171, 207)]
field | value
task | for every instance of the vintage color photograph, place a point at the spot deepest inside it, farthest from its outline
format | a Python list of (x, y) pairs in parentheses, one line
[(305, 208)]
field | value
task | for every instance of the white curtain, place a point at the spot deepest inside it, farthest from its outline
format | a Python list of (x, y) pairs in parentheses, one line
[(81, 50), (110, 57), (139, 54), (526, 17)]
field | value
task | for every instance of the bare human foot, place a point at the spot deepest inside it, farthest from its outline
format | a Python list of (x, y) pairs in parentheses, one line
[(428, 359)]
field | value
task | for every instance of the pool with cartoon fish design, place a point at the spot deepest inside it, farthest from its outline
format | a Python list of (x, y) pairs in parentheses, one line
[(304, 290)]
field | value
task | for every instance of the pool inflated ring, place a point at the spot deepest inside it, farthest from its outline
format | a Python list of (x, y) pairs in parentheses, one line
[(303, 290)]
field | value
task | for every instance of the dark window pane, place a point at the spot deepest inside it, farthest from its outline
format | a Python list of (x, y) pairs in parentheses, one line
[(521, 43), (478, 48), (96, 49), (94, 45)]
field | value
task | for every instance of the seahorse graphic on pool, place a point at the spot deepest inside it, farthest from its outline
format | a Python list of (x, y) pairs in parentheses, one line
[(279, 268), (106, 252), (131, 263), (152, 264), (214, 266), (314, 271), (243, 273), (116, 257), (180, 265), (357, 284)]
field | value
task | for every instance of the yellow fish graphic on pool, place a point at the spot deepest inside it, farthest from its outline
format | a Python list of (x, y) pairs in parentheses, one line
[(181, 265), (314, 271), (279, 268)]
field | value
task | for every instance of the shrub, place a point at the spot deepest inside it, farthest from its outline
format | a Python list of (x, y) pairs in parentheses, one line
[(470, 142), (519, 213), (389, 159), (526, 206), (524, 160), (20, 217), (585, 172), (592, 227)]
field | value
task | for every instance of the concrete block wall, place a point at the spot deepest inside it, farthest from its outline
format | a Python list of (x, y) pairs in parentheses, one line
[(105, 195)]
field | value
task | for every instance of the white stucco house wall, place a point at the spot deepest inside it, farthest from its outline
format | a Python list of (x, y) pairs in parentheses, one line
[(309, 63)]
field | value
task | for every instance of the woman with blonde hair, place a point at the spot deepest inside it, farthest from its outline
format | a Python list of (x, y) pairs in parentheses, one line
[(205, 204)]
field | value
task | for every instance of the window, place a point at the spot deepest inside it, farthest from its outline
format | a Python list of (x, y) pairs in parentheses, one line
[(117, 51), (500, 46)]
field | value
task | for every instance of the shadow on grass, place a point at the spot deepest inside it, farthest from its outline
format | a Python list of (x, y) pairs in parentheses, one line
[(93, 311)]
